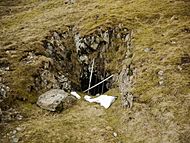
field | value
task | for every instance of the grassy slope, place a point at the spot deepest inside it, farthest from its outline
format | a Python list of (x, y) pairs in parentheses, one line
[(160, 113)]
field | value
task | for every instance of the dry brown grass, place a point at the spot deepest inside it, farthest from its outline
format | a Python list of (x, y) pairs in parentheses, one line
[(160, 113)]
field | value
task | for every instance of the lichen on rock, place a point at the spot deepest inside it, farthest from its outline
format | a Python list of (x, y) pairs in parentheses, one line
[(56, 100)]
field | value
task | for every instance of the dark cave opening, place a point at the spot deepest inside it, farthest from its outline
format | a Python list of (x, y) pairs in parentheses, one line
[(96, 78)]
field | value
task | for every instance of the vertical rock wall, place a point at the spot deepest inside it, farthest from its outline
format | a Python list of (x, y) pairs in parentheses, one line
[(72, 54)]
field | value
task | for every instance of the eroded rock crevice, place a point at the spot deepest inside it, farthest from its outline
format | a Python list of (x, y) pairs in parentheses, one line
[(73, 55), (64, 61)]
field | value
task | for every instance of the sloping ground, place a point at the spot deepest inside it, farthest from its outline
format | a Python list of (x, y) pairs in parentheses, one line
[(83, 123), (161, 42)]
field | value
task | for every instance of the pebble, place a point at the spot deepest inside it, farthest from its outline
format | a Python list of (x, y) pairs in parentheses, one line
[(161, 73), (18, 129), (115, 134), (179, 67), (173, 42), (15, 140), (148, 50), (14, 132), (12, 137), (7, 68), (161, 82), (19, 117)]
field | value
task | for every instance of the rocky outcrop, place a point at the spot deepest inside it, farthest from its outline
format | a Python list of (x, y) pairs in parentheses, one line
[(63, 60), (55, 100), (102, 40), (126, 76), (101, 46), (72, 55), (9, 115), (60, 47)]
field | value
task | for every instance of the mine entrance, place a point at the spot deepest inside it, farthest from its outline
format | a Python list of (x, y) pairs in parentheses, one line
[(97, 81)]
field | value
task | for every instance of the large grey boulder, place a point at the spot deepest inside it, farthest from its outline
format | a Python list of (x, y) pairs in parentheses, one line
[(56, 100)]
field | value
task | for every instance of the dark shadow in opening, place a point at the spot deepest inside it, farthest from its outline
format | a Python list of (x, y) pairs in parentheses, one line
[(100, 89)]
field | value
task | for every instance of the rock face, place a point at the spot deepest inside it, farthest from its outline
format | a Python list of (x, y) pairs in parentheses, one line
[(72, 54), (63, 60), (55, 100), (126, 77)]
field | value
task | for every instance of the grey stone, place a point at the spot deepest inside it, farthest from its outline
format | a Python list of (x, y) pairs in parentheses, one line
[(56, 36), (55, 100), (7, 68), (19, 129), (94, 45), (161, 73), (115, 134), (161, 82), (127, 37), (19, 117), (63, 78), (124, 81), (49, 46), (127, 100), (14, 132), (15, 140), (179, 68), (66, 86), (106, 37), (3, 90), (77, 43), (148, 49), (11, 52), (84, 59), (124, 86), (119, 36), (64, 83)]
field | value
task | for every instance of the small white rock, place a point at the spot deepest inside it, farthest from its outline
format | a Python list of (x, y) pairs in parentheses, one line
[(14, 132), (115, 134), (19, 117), (161, 73), (15, 140), (7, 68), (161, 82), (18, 129), (179, 67), (147, 50)]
